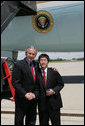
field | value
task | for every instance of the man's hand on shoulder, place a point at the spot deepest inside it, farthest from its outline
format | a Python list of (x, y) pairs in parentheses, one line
[(55, 69)]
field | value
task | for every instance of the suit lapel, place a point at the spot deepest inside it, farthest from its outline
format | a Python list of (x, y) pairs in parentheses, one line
[(48, 77), (42, 83), (28, 71)]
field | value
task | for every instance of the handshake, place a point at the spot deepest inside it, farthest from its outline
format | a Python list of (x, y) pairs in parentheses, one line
[(30, 96)]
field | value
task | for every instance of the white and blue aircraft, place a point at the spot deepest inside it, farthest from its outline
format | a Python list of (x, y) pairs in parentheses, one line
[(58, 26)]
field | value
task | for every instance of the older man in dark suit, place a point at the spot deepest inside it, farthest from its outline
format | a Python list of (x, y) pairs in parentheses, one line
[(24, 82), (50, 83)]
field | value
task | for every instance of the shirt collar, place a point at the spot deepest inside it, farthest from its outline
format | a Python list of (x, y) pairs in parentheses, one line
[(44, 70), (29, 62)]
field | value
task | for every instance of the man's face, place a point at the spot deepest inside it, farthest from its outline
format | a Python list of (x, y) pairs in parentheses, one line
[(31, 54), (43, 63)]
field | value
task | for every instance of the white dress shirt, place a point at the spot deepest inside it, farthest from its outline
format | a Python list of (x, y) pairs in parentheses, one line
[(45, 72)]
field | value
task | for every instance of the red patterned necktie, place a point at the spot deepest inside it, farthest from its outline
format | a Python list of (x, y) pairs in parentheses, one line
[(44, 75), (32, 70)]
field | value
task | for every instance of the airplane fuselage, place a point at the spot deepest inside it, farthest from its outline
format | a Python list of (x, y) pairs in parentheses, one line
[(66, 35)]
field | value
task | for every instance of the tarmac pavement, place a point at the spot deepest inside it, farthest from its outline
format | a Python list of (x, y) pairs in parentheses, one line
[(8, 110)]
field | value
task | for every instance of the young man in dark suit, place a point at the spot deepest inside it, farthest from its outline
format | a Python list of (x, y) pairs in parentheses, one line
[(49, 102), (24, 82)]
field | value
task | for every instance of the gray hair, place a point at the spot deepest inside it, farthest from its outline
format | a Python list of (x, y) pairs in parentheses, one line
[(30, 47)]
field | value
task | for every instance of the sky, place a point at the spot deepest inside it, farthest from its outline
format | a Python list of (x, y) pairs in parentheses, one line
[(55, 55), (55, 3)]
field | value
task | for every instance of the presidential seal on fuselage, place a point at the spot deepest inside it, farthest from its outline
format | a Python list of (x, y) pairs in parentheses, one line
[(42, 22)]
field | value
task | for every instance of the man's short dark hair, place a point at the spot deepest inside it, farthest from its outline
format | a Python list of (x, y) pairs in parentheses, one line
[(44, 56)]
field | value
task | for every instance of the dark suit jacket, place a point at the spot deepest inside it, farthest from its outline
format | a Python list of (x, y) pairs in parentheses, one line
[(23, 82), (54, 81)]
